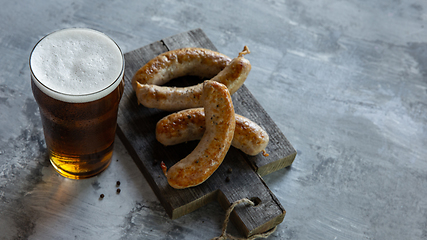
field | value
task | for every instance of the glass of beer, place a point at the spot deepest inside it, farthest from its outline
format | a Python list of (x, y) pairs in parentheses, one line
[(77, 81)]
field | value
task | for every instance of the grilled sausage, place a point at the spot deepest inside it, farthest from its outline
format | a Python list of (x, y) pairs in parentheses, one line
[(147, 80), (189, 125), (208, 155), (181, 62)]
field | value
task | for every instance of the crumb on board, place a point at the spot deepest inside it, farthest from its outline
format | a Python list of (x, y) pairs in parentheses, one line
[(264, 153)]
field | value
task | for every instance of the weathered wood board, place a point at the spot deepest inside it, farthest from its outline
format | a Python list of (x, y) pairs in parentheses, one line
[(136, 129)]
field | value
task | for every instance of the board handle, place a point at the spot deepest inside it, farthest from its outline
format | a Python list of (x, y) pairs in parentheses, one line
[(265, 213)]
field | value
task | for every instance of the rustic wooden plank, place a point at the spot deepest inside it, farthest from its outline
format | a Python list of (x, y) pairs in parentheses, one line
[(136, 129), (281, 152), (134, 124)]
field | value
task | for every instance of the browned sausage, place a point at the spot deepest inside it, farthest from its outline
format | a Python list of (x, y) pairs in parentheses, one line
[(208, 155), (181, 62), (189, 124), (150, 94)]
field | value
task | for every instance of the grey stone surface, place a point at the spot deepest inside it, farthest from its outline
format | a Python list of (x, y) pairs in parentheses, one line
[(346, 82)]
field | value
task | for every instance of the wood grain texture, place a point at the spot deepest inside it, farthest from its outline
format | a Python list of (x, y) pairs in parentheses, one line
[(136, 129)]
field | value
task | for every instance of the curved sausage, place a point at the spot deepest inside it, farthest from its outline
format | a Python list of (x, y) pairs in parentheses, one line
[(189, 125), (165, 98), (200, 62), (208, 155)]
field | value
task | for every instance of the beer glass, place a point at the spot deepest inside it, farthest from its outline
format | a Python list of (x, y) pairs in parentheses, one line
[(77, 81)]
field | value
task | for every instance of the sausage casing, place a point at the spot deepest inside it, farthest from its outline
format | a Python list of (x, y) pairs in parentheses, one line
[(181, 62), (189, 125), (150, 94), (208, 155)]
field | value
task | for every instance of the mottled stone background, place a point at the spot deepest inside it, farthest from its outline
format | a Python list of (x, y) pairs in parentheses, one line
[(346, 82)]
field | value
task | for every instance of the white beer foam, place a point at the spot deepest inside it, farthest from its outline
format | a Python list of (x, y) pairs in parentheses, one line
[(77, 65)]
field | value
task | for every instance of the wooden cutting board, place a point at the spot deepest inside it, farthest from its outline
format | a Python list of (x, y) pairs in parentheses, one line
[(239, 176)]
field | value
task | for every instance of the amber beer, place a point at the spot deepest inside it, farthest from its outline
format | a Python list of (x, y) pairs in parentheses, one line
[(77, 81)]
